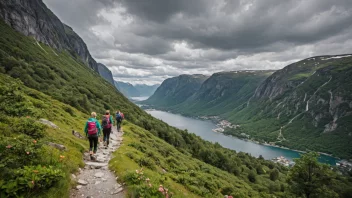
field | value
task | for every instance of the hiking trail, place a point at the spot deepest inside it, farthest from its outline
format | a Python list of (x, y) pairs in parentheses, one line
[(95, 180)]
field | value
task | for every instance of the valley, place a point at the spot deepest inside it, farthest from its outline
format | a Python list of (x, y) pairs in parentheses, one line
[(50, 84), (304, 106)]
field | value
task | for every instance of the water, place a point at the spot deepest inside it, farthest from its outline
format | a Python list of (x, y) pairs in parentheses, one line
[(141, 98), (204, 130)]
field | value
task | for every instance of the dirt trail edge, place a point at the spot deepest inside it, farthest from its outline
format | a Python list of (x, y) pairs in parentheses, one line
[(96, 180)]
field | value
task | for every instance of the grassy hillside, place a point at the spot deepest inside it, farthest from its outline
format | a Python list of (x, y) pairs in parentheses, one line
[(28, 165)]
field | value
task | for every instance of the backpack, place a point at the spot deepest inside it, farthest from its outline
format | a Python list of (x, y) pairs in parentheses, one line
[(92, 128), (106, 122), (119, 117)]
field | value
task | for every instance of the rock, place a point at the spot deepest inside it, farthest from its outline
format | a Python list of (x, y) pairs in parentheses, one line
[(117, 191), (73, 177), (99, 174), (96, 165), (97, 182), (104, 180), (79, 187), (82, 182), (77, 134), (57, 146), (47, 122)]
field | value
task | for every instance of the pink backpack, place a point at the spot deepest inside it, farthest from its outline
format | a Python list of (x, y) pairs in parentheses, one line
[(92, 128)]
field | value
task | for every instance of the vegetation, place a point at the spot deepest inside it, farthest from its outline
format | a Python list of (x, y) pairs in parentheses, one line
[(37, 82), (29, 167)]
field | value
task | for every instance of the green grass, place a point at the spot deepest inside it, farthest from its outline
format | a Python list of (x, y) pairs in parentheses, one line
[(184, 175)]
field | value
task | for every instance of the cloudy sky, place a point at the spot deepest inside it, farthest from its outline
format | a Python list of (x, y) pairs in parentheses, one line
[(146, 41)]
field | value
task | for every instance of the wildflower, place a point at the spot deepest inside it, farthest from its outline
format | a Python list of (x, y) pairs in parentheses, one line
[(62, 157), (8, 146), (28, 153), (34, 141), (147, 179), (28, 116), (161, 189), (137, 171), (150, 185), (32, 182), (35, 171)]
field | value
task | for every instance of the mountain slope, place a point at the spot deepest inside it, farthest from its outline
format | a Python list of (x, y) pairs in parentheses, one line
[(176, 90), (146, 90), (105, 73), (33, 18), (127, 89), (222, 92), (311, 100)]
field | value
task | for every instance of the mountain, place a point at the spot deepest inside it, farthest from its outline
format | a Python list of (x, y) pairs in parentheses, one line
[(146, 90), (306, 105), (40, 82), (176, 90), (46, 92), (127, 89), (34, 19), (105, 73), (221, 92)]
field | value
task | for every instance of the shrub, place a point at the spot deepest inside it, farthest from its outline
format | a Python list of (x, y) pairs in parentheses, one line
[(30, 179), (252, 177)]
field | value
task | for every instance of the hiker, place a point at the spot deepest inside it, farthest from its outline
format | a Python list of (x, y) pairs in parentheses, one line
[(106, 123), (119, 118), (92, 130)]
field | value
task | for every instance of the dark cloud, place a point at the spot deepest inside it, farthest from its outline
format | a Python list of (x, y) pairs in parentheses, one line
[(141, 39)]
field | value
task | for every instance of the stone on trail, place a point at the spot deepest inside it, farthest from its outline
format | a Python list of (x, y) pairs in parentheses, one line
[(99, 175), (117, 191), (97, 182), (78, 187), (96, 165), (82, 182)]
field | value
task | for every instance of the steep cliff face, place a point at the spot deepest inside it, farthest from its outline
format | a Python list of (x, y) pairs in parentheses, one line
[(33, 18), (223, 92), (105, 73), (175, 90)]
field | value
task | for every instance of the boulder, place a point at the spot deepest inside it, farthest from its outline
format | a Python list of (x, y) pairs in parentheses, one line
[(57, 146), (48, 123)]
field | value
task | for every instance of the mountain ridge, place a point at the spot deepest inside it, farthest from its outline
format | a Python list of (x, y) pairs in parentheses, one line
[(33, 18)]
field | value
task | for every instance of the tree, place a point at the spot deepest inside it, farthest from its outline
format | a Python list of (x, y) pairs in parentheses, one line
[(309, 178), (274, 175)]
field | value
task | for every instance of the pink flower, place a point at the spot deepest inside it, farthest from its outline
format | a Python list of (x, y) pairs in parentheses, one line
[(161, 189), (150, 185), (8, 146), (34, 141), (28, 153)]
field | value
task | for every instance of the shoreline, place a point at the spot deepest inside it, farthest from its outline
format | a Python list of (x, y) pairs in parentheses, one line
[(216, 120)]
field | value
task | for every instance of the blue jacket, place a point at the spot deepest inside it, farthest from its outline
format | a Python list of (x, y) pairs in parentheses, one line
[(97, 124)]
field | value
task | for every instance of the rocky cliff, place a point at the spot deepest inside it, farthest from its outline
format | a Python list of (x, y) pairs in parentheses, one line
[(175, 90), (33, 18), (105, 73)]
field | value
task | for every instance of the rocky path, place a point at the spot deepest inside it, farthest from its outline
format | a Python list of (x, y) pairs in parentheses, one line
[(95, 180)]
